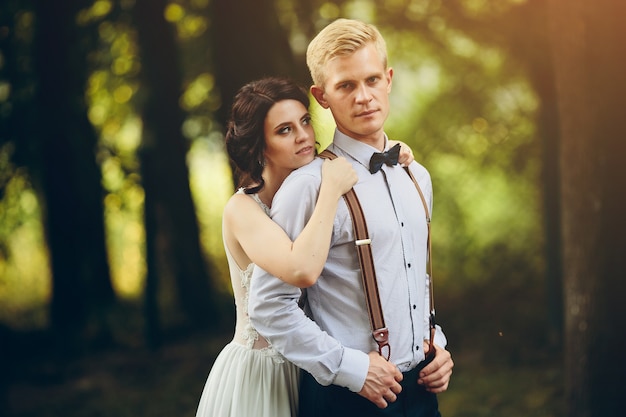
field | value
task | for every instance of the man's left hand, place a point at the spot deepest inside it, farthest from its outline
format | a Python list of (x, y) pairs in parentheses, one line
[(435, 376)]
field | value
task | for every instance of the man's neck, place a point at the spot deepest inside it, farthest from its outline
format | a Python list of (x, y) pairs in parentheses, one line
[(377, 141)]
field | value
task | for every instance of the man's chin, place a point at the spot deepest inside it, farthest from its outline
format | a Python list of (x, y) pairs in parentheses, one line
[(369, 131)]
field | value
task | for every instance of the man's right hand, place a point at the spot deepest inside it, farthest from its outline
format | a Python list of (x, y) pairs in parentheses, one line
[(382, 384)]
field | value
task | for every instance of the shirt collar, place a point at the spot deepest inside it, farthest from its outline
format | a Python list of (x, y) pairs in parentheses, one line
[(361, 152)]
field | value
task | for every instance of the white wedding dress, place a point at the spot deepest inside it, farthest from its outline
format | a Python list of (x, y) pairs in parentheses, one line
[(249, 378)]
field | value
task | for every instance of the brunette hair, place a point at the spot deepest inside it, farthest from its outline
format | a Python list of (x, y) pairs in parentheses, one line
[(340, 38), (245, 138)]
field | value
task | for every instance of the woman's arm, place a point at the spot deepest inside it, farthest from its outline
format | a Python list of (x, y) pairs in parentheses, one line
[(299, 262)]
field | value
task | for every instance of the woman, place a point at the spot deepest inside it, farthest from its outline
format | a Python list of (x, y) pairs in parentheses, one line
[(269, 135)]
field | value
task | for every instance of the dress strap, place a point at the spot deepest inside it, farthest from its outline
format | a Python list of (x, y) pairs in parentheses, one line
[(256, 198)]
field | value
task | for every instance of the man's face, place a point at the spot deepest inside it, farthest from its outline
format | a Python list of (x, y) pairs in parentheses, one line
[(357, 93)]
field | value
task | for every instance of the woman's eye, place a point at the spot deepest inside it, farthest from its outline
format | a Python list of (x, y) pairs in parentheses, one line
[(306, 120), (284, 130)]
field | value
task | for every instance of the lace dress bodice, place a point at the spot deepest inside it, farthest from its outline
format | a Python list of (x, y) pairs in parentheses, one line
[(245, 333)]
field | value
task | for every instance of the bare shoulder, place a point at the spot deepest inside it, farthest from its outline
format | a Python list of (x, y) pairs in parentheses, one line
[(241, 206), (238, 203)]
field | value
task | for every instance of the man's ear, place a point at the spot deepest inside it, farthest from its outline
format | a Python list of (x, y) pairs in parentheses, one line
[(389, 76), (318, 93)]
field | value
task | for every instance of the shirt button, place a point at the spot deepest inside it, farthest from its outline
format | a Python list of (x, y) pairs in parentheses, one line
[(417, 348), (402, 224), (414, 306), (409, 265)]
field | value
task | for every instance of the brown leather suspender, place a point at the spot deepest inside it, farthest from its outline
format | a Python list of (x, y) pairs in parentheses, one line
[(366, 261)]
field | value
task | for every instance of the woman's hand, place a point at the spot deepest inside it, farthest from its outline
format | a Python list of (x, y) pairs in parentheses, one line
[(406, 154), (339, 175)]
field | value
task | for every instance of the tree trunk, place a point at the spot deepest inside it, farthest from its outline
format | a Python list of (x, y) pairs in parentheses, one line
[(256, 46), (175, 244), (249, 43), (541, 73), (590, 63), (71, 178)]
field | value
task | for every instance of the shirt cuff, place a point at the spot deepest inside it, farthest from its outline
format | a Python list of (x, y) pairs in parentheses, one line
[(440, 337), (353, 369)]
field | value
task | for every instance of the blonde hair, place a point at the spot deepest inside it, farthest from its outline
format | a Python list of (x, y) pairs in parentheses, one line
[(341, 38)]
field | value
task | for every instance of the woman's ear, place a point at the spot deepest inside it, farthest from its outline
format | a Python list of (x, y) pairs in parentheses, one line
[(318, 93)]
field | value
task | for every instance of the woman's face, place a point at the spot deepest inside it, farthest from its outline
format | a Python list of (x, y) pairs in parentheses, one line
[(289, 136)]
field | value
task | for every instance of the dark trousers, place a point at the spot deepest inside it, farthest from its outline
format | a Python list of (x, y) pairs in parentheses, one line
[(334, 401)]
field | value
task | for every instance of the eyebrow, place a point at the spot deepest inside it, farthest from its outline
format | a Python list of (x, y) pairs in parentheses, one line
[(379, 74), (281, 125), (288, 123)]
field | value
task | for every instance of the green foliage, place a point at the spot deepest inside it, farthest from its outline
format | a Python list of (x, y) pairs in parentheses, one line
[(472, 125), (24, 273), (468, 115), (461, 99)]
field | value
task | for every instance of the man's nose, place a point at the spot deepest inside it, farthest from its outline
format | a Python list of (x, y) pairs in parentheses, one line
[(363, 93)]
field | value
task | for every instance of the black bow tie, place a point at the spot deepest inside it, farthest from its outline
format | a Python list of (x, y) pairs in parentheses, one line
[(389, 157)]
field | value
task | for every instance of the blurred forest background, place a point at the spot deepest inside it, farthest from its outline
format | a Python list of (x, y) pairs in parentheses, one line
[(114, 295)]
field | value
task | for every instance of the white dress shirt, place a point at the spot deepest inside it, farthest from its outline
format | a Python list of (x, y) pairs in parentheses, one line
[(332, 339)]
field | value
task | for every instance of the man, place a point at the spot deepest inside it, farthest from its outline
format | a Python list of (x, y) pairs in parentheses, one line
[(333, 341)]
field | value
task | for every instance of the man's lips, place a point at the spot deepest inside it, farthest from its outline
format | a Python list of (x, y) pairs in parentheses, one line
[(366, 113)]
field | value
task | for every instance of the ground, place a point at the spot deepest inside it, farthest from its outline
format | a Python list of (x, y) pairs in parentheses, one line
[(169, 382), (503, 368)]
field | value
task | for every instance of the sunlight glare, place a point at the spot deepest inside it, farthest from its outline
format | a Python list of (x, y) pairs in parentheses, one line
[(198, 91), (174, 12)]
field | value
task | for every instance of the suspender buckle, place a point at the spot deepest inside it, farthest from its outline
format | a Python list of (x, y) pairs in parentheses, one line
[(382, 338)]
